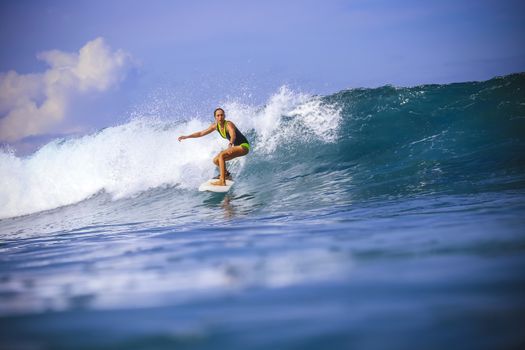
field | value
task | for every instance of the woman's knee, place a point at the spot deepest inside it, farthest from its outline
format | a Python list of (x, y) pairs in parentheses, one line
[(218, 159)]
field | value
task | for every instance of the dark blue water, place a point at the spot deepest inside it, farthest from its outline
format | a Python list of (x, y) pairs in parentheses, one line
[(369, 219)]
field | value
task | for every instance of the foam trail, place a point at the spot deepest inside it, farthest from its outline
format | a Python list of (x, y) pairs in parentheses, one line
[(121, 160)]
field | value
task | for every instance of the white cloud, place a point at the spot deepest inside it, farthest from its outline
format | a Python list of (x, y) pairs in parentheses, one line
[(30, 104)]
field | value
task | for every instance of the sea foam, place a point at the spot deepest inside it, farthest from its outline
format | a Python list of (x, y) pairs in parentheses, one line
[(144, 153)]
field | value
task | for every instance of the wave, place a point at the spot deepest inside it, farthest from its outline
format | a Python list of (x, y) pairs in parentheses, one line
[(307, 150)]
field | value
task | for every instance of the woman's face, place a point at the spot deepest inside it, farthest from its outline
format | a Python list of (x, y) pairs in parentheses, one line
[(219, 116)]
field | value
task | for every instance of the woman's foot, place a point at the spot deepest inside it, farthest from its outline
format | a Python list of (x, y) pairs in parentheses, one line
[(218, 183)]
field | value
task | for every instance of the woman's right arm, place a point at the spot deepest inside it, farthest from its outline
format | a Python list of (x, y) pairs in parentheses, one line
[(198, 133)]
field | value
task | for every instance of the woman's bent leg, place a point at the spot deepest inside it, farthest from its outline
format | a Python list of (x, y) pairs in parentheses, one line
[(223, 157)]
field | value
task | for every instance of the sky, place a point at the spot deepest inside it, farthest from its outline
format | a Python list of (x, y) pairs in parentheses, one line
[(73, 67)]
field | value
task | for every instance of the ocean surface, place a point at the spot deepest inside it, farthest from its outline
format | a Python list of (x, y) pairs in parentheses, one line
[(385, 218)]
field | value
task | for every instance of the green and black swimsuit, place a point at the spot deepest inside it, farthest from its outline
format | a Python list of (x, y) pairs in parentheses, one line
[(240, 139)]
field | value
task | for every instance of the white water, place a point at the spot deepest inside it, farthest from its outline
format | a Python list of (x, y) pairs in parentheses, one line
[(144, 153)]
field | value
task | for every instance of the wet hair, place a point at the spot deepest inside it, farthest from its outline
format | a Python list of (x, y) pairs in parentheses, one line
[(219, 109)]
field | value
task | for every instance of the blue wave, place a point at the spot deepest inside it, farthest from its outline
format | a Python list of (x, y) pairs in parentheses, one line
[(455, 138), (308, 151)]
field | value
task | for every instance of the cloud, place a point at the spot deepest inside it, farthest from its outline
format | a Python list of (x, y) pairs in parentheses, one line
[(31, 104)]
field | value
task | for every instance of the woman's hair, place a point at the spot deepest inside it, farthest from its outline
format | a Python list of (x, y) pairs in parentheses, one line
[(219, 109)]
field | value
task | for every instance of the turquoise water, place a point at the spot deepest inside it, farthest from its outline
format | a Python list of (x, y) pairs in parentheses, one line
[(370, 218)]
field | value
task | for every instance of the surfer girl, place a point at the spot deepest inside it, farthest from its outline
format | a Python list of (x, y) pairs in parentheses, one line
[(238, 147)]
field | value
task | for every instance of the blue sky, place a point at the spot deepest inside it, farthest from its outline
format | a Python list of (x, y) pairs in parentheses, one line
[(195, 54)]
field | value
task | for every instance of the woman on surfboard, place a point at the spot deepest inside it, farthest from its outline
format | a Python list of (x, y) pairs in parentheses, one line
[(238, 147)]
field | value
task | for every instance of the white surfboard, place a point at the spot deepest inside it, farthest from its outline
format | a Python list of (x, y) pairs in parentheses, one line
[(207, 186)]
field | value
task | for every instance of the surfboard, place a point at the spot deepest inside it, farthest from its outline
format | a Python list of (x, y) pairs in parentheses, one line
[(207, 186)]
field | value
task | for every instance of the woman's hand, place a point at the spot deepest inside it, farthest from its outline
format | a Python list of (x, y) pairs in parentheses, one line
[(182, 138)]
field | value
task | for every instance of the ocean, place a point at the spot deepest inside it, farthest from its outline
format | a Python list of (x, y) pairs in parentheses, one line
[(372, 218)]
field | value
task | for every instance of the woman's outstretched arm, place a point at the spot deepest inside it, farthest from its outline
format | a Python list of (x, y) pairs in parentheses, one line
[(198, 133)]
